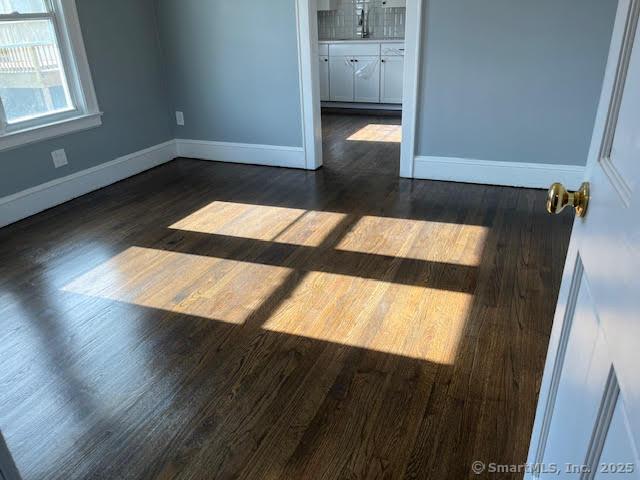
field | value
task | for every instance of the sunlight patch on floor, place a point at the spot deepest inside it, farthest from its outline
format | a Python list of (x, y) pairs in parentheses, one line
[(378, 133), (434, 241), (411, 321), (261, 222), (380, 305), (208, 287)]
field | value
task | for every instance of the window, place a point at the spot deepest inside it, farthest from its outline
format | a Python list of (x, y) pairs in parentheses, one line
[(45, 83)]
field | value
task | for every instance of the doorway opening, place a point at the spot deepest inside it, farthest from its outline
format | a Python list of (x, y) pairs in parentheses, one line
[(358, 77), (361, 142)]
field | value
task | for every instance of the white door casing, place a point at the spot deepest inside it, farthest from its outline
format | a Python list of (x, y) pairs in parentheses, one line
[(588, 418), (307, 33), (308, 75)]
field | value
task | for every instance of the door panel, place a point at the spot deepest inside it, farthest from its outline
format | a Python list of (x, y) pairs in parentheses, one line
[(581, 383), (367, 79), (616, 452), (324, 79), (341, 79), (625, 139), (589, 407)]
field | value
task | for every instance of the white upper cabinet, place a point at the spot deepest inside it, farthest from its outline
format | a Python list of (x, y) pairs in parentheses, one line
[(367, 79), (391, 75), (324, 79), (324, 5)]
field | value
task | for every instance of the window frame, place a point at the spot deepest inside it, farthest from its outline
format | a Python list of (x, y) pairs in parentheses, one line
[(85, 112)]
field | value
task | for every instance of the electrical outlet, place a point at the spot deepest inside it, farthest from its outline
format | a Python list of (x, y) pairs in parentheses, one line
[(59, 158), (180, 118)]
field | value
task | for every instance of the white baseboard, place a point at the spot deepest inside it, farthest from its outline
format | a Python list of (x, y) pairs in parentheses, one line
[(42, 197), (363, 106), (270, 155), (34, 200), (512, 174)]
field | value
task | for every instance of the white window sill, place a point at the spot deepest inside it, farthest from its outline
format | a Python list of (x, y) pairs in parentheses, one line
[(56, 129)]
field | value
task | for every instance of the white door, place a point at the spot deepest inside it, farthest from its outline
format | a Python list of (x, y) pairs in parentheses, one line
[(324, 79), (588, 418), (341, 79), (391, 72), (367, 79)]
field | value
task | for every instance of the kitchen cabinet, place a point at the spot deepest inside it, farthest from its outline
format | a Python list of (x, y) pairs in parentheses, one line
[(394, 3), (324, 5), (324, 79), (341, 75), (367, 79), (367, 48), (361, 72), (391, 79)]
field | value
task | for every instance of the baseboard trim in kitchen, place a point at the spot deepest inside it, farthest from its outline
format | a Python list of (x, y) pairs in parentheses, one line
[(373, 107), (270, 155), (42, 197), (511, 174), (362, 111)]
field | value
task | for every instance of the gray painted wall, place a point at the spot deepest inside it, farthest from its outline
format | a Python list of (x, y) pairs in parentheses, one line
[(512, 80), (122, 45), (233, 69), (509, 80)]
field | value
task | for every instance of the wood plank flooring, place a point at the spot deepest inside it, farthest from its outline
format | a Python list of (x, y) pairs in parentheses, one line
[(206, 320)]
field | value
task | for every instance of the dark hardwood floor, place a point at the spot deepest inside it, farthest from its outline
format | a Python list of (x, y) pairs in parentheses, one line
[(206, 320)]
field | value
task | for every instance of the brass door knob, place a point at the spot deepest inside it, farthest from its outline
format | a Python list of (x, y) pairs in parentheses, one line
[(559, 198)]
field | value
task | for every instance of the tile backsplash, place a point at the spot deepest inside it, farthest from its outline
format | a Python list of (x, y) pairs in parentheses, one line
[(342, 24)]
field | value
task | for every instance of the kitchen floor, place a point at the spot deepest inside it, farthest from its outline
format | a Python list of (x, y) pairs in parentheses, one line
[(207, 320), (366, 143)]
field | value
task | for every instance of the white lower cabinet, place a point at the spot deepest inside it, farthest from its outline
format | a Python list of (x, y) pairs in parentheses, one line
[(341, 72), (359, 73), (391, 76), (324, 79), (367, 79), (393, 3)]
